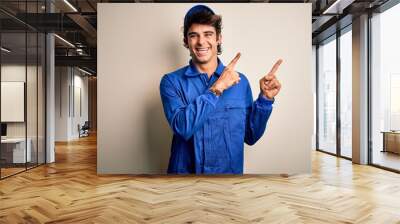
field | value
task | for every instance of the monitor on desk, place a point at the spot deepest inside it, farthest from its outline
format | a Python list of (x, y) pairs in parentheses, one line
[(3, 130)]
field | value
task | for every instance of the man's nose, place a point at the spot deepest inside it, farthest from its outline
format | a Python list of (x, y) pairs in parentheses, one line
[(201, 40)]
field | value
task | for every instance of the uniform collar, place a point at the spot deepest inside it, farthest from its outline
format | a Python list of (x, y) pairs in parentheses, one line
[(192, 70)]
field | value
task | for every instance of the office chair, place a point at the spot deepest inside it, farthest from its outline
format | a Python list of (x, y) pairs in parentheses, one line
[(84, 130)]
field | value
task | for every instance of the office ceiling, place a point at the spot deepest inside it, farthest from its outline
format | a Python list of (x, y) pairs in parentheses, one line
[(77, 22)]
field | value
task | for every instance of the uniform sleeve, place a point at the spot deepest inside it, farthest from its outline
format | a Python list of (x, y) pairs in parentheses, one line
[(257, 115), (185, 119)]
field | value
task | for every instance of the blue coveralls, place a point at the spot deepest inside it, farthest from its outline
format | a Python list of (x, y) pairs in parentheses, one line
[(210, 131)]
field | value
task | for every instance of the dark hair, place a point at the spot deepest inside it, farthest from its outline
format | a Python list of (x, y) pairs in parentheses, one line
[(206, 18)]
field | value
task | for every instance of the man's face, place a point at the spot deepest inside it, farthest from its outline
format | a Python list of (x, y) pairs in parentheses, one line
[(202, 42)]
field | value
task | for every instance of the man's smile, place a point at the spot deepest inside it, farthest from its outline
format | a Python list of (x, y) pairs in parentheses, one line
[(202, 51)]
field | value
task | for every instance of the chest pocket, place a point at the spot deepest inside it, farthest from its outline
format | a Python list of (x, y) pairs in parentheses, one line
[(227, 122)]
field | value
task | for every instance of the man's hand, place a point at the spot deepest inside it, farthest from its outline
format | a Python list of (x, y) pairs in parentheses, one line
[(269, 85), (228, 78)]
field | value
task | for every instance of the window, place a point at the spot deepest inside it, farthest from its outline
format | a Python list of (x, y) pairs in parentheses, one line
[(327, 96)]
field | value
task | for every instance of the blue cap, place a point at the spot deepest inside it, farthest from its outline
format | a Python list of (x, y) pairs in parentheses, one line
[(196, 9)]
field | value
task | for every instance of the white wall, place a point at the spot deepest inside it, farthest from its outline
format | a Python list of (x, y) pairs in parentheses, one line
[(67, 117), (133, 135), (61, 103)]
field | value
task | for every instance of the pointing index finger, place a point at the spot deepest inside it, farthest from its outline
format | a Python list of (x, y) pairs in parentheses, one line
[(234, 60), (276, 66)]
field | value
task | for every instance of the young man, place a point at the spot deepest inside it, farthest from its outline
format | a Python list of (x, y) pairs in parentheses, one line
[(209, 106)]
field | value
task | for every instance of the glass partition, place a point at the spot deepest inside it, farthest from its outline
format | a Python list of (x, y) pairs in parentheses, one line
[(32, 95), (327, 96), (41, 107), (385, 89), (346, 93), (13, 94), (22, 63)]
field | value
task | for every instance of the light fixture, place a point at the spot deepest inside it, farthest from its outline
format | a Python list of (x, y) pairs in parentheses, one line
[(338, 6), (5, 50), (65, 41), (84, 71), (80, 51), (70, 5)]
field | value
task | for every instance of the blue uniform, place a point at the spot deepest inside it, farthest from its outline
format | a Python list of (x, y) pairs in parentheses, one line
[(209, 130)]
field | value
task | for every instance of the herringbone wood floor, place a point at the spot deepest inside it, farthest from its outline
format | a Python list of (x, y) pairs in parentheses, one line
[(69, 191)]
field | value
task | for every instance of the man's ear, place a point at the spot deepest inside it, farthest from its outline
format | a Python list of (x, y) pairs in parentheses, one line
[(185, 44)]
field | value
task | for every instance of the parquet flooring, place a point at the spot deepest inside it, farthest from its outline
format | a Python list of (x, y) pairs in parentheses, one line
[(69, 191), (10, 171)]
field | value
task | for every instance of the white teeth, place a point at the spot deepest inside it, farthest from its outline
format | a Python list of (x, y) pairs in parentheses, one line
[(202, 51)]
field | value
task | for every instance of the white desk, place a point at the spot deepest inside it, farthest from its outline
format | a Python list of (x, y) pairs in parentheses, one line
[(18, 149)]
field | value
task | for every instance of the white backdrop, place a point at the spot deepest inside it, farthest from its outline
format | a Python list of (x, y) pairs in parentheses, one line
[(139, 43)]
